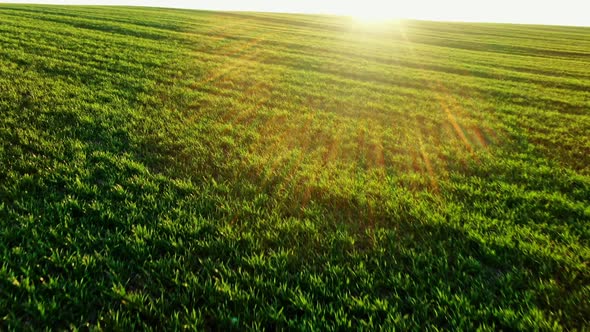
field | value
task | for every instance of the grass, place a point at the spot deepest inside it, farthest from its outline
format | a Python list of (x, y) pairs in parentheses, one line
[(175, 169)]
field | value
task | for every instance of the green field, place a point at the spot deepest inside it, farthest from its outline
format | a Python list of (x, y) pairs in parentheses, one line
[(176, 169)]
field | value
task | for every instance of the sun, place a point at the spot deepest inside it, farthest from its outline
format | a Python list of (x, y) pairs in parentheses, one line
[(372, 15), (374, 11)]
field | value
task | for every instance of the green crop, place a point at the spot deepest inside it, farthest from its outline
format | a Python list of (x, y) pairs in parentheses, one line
[(176, 169)]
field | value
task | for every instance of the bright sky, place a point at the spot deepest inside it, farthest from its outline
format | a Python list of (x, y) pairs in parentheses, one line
[(562, 12)]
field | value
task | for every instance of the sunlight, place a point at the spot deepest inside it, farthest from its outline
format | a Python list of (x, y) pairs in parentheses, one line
[(370, 16), (375, 11)]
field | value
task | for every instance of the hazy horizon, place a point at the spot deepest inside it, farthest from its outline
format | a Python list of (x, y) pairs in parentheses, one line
[(566, 12)]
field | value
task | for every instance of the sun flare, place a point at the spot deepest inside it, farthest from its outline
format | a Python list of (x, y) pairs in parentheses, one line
[(371, 16), (375, 11)]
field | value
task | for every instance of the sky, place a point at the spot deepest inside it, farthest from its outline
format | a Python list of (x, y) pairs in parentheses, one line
[(563, 12)]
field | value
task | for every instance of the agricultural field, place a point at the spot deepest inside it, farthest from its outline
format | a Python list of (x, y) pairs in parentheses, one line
[(175, 169)]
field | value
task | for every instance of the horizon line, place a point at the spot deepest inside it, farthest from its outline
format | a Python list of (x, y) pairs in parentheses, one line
[(310, 13)]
